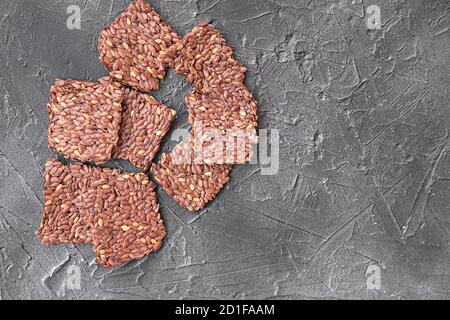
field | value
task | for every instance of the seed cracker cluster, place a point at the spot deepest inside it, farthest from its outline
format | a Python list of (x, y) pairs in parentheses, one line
[(116, 212), (116, 118), (222, 114)]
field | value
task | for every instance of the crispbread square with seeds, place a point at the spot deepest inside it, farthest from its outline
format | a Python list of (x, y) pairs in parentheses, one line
[(224, 108), (191, 185), (204, 57), (145, 122), (223, 124), (84, 119), (67, 217), (127, 224), (131, 45), (60, 215)]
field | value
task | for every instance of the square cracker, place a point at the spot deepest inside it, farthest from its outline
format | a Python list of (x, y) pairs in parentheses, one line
[(127, 224), (84, 119), (145, 122), (204, 57), (68, 213), (191, 185), (131, 45), (223, 125)]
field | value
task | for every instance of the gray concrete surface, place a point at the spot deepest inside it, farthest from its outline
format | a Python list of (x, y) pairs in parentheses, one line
[(364, 155)]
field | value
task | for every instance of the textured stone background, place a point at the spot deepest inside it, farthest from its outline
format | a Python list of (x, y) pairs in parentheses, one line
[(364, 154)]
